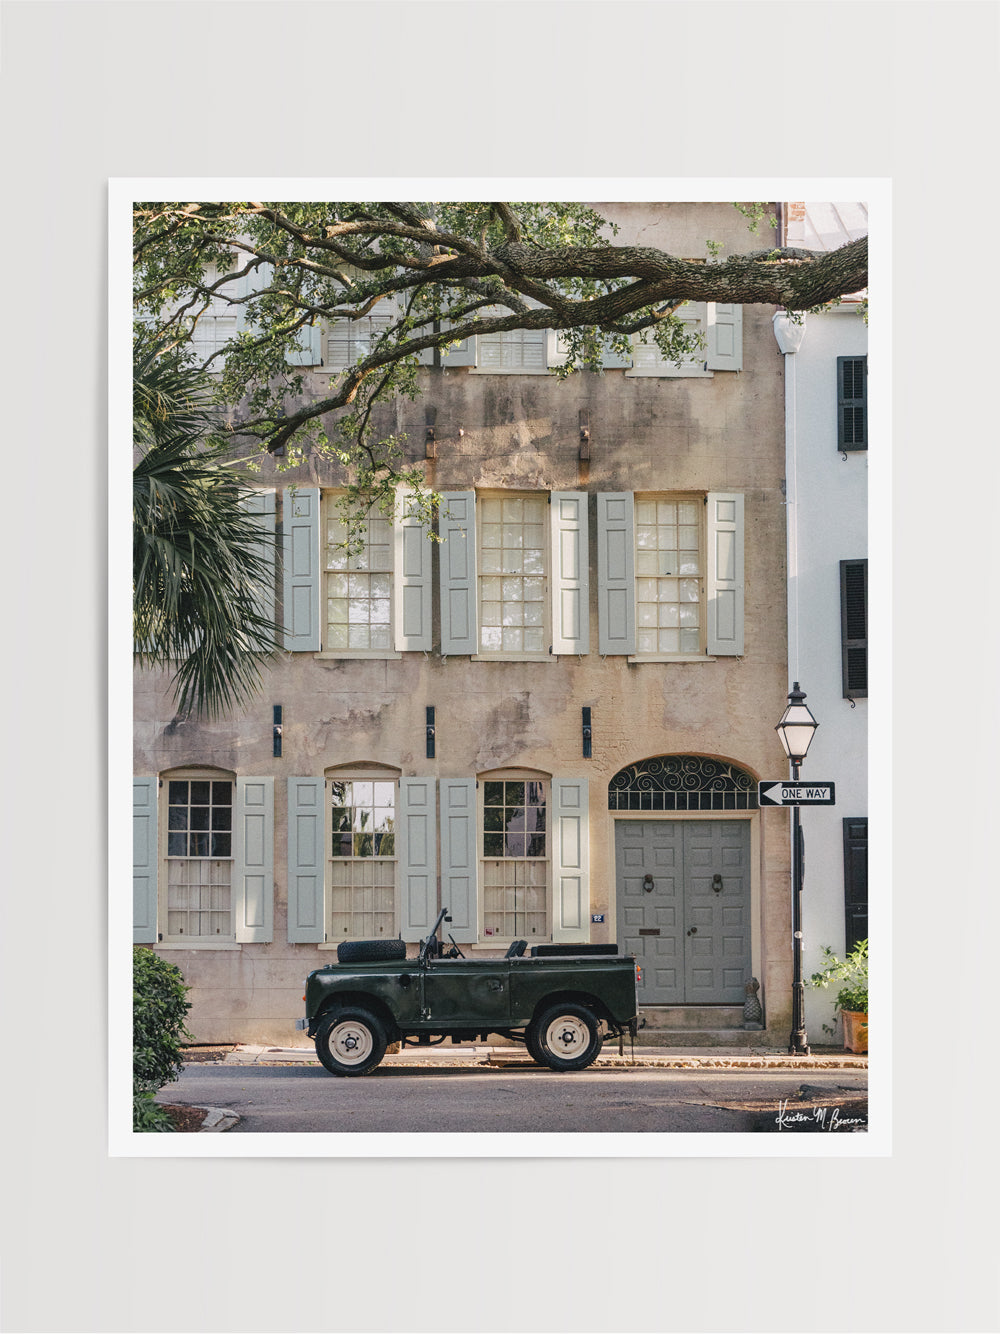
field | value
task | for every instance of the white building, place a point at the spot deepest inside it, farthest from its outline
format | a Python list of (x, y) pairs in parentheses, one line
[(826, 434)]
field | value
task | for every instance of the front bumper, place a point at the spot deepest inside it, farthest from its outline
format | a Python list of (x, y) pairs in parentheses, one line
[(301, 1024)]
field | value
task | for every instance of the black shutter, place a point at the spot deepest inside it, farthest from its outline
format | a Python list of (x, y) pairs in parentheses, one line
[(852, 402), (855, 881), (854, 627)]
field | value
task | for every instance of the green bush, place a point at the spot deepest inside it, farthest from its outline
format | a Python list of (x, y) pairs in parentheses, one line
[(159, 1008), (851, 973)]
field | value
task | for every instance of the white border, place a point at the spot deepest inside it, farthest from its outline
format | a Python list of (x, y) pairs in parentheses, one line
[(122, 1142)]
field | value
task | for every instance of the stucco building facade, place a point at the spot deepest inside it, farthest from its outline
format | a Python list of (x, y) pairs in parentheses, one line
[(552, 721)]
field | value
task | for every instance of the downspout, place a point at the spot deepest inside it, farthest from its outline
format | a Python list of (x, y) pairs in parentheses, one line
[(789, 331)]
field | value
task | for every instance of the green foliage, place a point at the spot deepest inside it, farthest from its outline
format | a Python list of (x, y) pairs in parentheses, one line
[(148, 1116), (415, 278), (159, 1008), (851, 972), (202, 565)]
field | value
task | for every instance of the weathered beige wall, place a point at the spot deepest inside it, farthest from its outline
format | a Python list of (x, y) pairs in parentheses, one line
[(723, 433)]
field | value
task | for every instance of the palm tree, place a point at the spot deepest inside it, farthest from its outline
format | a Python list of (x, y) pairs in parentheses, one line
[(202, 565)]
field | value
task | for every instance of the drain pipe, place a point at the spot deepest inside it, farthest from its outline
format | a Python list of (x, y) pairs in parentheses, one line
[(789, 332)]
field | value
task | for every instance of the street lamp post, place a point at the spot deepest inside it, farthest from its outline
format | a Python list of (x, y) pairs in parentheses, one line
[(795, 731)]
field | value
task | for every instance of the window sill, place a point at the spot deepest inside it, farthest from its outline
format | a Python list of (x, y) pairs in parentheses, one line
[(516, 657), (510, 370), (385, 655), (696, 373), (671, 657), (198, 945)]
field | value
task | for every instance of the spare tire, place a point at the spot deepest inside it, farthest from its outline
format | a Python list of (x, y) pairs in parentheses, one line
[(370, 951)]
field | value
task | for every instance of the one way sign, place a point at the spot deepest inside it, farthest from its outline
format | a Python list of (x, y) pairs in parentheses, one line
[(795, 794)]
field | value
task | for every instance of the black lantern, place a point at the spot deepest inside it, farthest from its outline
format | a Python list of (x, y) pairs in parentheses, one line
[(795, 731)]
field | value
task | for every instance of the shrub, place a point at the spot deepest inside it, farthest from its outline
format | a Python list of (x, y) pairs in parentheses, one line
[(851, 973), (159, 1007)]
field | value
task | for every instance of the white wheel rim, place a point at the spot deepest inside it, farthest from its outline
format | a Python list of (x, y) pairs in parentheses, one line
[(350, 1043), (567, 1036)]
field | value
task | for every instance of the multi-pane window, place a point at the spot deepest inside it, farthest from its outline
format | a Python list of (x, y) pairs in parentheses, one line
[(513, 350), (669, 570), (199, 859), (219, 323), (362, 884), (358, 584), (350, 341), (513, 568), (515, 859)]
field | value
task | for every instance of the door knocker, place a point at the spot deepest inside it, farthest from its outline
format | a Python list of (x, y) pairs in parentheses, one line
[(647, 884), (717, 883)]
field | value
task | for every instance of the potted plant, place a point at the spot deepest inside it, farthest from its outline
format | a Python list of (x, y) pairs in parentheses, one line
[(852, 996)]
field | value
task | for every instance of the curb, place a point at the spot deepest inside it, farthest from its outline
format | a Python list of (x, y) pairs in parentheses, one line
[(511, 1057), (218, 1119)]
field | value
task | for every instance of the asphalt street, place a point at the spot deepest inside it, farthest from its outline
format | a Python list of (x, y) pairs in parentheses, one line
[(610, 1100)]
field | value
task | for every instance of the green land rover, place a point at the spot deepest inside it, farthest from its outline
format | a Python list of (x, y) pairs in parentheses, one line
[(561, 1001)]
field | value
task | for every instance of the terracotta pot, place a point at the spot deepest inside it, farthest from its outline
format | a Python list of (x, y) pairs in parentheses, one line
[(855, 1030)]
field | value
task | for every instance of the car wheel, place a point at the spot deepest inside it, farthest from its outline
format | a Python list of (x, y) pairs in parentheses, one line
[(567, 1036), (370, 951), (350, 1042)]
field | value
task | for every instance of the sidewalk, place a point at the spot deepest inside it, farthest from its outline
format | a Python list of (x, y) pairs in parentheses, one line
[(671, 1058)]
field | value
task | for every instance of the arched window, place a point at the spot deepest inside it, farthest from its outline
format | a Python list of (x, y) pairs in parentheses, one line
[(682, 783)]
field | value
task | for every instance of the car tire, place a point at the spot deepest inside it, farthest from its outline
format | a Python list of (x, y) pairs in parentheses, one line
[(567, 1036), (350, 1041), (370, 951)]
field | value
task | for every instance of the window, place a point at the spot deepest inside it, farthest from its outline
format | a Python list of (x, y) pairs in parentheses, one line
[(669, 566), (358, 584), (515, 859), (350, 341), (514, 573), (203, 859), (361, 903), (852, 403), (199, 856), (220, 322), (374, 602), (513, 569), (513, 350), (670, 574), (721, 330), (854, 627)]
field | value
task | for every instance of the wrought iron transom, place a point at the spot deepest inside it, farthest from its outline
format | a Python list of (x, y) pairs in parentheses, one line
[(682, 783)]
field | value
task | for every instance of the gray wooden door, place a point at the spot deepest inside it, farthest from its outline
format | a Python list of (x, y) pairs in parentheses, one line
[(683, 890)]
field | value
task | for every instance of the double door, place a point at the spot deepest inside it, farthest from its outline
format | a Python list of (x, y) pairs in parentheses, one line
[(683, 896)]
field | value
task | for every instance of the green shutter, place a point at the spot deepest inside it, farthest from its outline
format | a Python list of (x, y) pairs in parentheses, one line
[(570, 860), (616, 572), (253, 871), (723, 336), (852, 403), (417, 853), (459, 619), (460, 857), (262, 504), (301, 524), (306, 860), (145, 859), (725, 573), (412, 578), (570, 572), (854, 627)]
